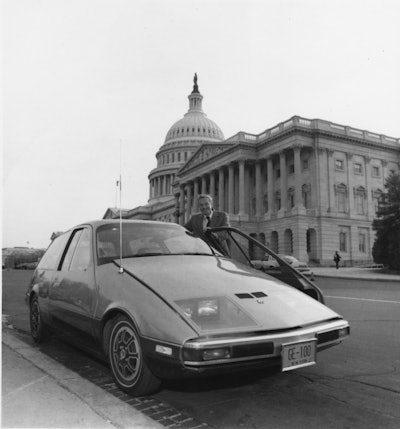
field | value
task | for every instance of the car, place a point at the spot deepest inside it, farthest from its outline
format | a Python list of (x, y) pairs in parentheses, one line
[(158, 303), (300, 266)]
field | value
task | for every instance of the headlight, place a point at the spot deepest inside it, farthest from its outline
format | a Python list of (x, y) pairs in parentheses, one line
[(204, 308), (215, 313)]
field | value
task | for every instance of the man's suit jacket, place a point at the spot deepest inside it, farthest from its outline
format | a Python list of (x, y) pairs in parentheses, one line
[(195, 223)]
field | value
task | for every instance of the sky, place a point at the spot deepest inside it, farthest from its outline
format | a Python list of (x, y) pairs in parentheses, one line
[(91, 88)]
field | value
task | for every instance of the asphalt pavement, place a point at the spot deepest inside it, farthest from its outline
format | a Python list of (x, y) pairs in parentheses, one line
[(37, 391)]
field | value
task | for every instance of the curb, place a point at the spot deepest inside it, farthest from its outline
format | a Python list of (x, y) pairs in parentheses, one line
[(344, 277), (104, 404)]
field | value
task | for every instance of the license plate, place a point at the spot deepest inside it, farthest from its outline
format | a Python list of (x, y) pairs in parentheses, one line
[(299, 354)]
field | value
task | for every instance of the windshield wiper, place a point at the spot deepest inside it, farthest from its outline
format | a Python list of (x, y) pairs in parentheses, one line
[(193, 253)]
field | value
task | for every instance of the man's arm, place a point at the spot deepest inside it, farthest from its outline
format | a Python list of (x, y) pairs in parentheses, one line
[(189, 224)]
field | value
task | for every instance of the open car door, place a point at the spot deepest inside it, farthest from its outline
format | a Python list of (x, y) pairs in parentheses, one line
[(235, 244)]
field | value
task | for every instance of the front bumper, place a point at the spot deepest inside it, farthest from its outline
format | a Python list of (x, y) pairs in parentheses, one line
[(251, 352)]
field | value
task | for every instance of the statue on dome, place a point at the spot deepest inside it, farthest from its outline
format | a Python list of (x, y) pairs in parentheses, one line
[(195, 87)]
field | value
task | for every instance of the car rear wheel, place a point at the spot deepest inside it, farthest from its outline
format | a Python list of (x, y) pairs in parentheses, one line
[(39, 330), (126, 358)]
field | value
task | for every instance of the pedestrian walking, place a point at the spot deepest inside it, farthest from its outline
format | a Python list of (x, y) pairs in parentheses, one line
[(337, 258)]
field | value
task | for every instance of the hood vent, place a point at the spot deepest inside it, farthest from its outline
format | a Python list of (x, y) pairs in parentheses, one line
[(251, 295)]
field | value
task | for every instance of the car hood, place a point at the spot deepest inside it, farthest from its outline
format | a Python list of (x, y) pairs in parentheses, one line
[(244, 298)]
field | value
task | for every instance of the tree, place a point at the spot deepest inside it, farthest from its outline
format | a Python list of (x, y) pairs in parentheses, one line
[(386, 249)]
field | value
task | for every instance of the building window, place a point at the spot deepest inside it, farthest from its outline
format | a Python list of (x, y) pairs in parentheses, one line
[(339, 165), (179, 157), (278, 200), (377, 199), (358, 168), (265, 203), (359, 199), (291, 197), (186, 156), (278, 173), (342, 241), (376, 171), (306, 195), (341, 197), (173, 157), (291, 168), (305, 164), (362, 241)]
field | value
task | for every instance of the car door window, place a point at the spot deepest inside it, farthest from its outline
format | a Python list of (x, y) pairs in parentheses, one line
[(81, 257), (249, 251), (71, 249)]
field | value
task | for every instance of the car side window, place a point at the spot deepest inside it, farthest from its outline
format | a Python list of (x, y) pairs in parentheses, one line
[(52, 256), (77, 257), (71, 249), (81, 258)]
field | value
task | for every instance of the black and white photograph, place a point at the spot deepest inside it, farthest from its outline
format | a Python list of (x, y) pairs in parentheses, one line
[(201, 214)]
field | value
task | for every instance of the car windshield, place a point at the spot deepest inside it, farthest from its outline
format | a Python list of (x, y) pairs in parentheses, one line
[(147, 239)]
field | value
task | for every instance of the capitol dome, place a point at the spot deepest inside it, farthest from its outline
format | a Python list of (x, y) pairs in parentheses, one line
[(194, 125), (181, 142)]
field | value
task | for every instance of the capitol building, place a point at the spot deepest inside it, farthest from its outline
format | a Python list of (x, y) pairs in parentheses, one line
[(305, 187)]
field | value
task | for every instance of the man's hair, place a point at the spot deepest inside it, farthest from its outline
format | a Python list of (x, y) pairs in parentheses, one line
[(209, 197)]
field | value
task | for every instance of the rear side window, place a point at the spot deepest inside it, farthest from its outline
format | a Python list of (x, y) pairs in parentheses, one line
[(52, 257)]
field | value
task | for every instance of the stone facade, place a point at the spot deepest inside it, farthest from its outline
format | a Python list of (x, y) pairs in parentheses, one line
[(304, 187)]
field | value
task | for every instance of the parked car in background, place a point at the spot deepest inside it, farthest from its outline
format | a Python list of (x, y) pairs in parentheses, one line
[(300, 266), (158, 303)]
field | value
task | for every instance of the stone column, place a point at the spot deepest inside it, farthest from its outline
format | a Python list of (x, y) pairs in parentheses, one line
[(231, 189), (203, 185), (259, 196), (384, 173), (176, 218), (212, 185), (331, 184), (196, 196), (242, 209), (221, 189), (182, 204), (282, 157), (164, 182), (188, 200), (270, 186), (297, 176), (368, 187), (350, 183), (159, 189)]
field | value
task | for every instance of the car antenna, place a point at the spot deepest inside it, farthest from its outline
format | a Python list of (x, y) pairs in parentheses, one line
[(121, 269)]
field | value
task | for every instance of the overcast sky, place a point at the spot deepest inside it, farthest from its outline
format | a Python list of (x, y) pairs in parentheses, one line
[(82, 78)]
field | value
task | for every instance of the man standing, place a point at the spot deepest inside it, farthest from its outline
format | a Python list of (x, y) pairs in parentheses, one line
[(337, 258), (207, 218)]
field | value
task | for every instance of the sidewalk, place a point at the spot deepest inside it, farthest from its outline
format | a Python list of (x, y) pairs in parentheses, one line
[(39, 392), (356, 273)]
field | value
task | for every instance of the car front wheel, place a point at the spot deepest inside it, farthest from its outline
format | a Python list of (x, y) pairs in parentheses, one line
[(39, 330), (126, 358)]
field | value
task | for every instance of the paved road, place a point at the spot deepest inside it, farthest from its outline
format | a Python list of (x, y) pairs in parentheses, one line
[(354, 385)]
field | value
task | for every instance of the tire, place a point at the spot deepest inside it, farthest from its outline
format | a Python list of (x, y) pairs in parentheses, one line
[(39, 330), (127, 362)]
